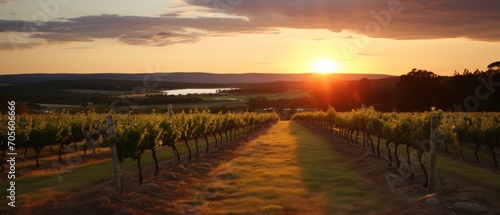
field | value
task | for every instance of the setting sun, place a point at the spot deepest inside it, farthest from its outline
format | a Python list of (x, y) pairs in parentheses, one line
[(324, 66)]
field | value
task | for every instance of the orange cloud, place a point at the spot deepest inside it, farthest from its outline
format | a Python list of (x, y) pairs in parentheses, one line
[(395, 19)]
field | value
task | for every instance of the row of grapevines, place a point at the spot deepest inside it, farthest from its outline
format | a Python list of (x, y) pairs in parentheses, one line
[(138, 133), (410, 129), (481, 129), (38, 131), (134, 133)]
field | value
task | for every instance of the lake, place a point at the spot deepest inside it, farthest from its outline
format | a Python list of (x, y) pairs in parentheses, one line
[(195, 91)]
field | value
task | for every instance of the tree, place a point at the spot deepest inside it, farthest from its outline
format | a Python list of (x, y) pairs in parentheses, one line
[(257, 102), (494, 66), (416, 91)]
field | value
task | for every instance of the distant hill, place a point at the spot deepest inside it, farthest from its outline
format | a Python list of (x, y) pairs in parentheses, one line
[(188, 77)]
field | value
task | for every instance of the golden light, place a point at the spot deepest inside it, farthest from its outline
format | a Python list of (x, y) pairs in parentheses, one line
[(324, 66)]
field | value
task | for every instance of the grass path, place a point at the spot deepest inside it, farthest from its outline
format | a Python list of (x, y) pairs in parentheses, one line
[(288, 170)]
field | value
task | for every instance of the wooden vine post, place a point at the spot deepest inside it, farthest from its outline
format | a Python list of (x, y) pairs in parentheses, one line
[(114, 155), (174, 154), (432, 162)]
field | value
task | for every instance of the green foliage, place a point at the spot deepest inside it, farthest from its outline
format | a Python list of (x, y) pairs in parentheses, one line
[(482, 129), (134, 134)]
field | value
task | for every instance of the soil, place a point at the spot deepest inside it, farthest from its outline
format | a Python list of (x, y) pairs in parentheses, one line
[(161, 194)]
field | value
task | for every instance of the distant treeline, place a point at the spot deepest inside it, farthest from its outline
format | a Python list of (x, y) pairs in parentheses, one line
[(262, 102), (157, 99), (416, 91)]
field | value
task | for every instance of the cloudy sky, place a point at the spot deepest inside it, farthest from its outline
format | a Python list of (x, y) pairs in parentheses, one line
[(240, 36)]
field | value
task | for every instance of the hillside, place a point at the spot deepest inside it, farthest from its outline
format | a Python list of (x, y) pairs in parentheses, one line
[(194, 77)]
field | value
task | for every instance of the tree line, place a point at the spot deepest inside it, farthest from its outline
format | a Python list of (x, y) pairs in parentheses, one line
[(418, 90)]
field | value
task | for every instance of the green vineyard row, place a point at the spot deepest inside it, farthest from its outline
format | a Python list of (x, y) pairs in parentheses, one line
[(134, 134), (411, 130)]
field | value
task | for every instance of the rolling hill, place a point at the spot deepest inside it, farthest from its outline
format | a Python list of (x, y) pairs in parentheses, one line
[(191, 77)]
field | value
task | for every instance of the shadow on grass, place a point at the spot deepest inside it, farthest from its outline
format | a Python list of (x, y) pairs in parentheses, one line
[(325, 171)]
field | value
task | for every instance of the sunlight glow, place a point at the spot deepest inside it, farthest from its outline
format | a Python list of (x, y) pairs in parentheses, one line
[(324, 66)]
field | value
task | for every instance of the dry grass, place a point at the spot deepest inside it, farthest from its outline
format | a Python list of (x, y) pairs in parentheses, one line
[(286, 171)]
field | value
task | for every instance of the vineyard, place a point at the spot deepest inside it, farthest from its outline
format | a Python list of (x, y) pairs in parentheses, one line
[(134, 134), (456, 132), (155, 148)]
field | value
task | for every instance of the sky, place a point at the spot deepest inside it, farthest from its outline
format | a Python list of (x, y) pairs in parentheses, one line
[(243, 36)]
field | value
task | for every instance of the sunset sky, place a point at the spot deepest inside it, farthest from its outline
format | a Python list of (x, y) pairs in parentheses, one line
[(241, 36)]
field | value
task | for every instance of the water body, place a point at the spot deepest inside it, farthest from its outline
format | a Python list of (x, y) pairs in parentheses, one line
[(196, 91)]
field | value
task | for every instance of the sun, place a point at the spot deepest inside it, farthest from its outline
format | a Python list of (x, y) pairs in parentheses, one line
[(324, 66)]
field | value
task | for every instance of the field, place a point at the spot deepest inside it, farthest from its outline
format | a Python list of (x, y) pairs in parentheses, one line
[(285, 168), (234, 100), (208, 101)]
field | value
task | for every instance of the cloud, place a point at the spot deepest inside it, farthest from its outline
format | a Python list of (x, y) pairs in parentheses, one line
[(173, 14), (20, 46), (133, 30), (367, 54), (423, 19), (83, 47)]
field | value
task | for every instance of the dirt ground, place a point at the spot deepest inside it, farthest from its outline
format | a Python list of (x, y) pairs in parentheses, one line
[(165, 193)]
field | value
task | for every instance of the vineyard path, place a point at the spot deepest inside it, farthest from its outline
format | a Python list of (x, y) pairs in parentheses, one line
[(289, 170)]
